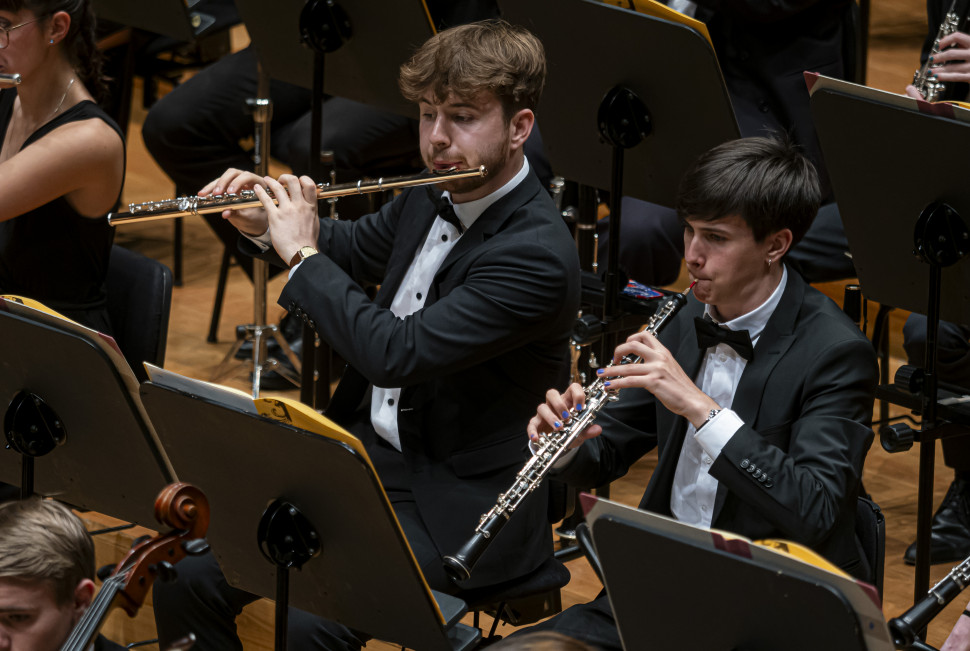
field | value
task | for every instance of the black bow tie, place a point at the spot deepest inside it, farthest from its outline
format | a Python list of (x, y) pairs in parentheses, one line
[(446, 211), (711, 334)]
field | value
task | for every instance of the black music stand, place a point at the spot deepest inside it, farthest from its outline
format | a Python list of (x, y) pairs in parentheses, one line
[(81, 436), (383, 35), (347, 48), (618, 92), (362, 573), (875, 147), (763, 599)]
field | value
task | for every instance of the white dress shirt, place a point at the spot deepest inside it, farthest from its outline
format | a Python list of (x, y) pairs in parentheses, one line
[(413, 291), (694, 489)]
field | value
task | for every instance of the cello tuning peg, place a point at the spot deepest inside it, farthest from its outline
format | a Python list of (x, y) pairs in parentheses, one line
[(196, 547), (166, 571)]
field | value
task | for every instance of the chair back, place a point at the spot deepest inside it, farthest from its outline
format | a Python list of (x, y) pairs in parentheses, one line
[(139, 299), (870, 529)]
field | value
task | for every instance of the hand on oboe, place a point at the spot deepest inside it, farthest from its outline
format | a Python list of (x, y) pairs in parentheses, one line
[(250, 221), (660, 374), (555, 413), (953, 58), (293, 223)]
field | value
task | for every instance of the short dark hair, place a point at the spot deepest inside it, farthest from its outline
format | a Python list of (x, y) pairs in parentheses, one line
[(765, 181), (492, 55)]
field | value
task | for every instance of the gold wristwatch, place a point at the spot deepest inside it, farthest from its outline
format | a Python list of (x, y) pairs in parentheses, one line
[(301, 255)]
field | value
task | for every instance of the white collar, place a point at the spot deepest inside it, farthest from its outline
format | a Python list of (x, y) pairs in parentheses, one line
[(755, 320), (469, 211)]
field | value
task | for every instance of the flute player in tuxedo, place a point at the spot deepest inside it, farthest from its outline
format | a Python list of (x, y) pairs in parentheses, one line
[(479, 289)]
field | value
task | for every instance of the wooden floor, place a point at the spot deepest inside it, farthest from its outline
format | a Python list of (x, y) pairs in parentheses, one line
[(897, 28)]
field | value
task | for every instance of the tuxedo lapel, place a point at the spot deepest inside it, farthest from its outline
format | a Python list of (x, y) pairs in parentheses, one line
[(774, 342), (492, 220), (689, 356), (411, 235)]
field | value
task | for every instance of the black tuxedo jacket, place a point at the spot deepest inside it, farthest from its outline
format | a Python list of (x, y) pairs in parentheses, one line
[(806, 401), (473, 363)]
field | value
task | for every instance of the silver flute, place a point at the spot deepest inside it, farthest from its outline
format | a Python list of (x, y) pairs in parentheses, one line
[(10, 78), (187, 206), (923, 80), (549, 449)]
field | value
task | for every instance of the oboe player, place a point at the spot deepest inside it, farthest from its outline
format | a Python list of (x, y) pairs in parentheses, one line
[(759, 393), (478, 296)]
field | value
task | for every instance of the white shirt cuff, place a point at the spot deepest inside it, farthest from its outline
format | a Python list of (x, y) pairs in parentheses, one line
[(716, 433), (293, 269), (264, 241)]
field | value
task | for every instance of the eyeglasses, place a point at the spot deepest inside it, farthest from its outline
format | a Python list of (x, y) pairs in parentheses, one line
[(5, 32)]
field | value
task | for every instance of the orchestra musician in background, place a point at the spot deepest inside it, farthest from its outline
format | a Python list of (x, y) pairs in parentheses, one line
[(479, 290), (950, 533), (46, 576), (54, 239), (762, 48), (762, 423)]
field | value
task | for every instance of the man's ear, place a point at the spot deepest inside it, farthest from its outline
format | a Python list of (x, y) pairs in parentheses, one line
[(520, 127), (83, 596), (778, 243)]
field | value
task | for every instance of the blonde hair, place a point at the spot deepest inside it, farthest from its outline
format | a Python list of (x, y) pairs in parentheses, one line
[(43, 540), (492, 55)]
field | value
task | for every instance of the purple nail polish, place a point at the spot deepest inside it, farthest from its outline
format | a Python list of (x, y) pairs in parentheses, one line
[(580, 407), (599, 371), (606, 384), (565, 415), (557, 424)]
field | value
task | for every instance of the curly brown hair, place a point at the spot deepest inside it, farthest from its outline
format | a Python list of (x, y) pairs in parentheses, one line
[(492, 55)]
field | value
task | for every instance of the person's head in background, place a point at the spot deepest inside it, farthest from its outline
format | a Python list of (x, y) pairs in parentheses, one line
[(46, 572)]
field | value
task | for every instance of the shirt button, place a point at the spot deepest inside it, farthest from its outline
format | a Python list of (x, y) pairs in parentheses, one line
[(444, 238), (722, 358), (708, 460), (704, 508), (418, 295), (390, 401)]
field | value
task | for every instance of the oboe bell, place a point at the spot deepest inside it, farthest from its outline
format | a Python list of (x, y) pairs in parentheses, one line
[(548, 450)]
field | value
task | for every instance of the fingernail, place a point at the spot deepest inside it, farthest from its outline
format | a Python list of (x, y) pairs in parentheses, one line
[(599, 371), (580, 407), (557, 424), (606, 384), (931, 58), (565, 415)]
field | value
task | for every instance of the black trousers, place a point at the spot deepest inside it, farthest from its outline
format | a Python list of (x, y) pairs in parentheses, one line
[(201, 601), (590, 622), (953, 367)]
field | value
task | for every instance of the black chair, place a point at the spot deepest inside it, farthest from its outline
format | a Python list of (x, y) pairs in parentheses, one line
[(139, 299), (870, 530), (520, 601)]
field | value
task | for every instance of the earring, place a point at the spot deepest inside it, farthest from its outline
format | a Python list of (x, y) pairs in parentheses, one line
[(769, 263), (52, 41)]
